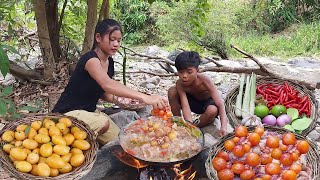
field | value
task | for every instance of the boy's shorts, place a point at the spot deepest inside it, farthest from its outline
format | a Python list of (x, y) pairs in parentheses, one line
[(199, 107), (96, 121)]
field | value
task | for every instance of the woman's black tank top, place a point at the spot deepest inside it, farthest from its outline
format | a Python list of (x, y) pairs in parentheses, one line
[(82, 91)]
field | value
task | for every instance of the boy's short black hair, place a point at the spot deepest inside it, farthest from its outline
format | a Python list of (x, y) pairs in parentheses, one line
[(187, 59)]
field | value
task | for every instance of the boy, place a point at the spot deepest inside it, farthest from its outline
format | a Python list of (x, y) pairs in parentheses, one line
[(194, 92)]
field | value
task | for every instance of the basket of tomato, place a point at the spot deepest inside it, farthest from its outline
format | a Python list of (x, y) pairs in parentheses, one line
[(274, 97), (263, 152)]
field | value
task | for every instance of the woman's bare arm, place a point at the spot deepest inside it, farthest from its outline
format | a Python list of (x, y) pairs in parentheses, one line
[(111, 86)]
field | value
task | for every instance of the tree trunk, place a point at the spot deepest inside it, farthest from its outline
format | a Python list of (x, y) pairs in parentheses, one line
[(53, 25), (105, 10), (90, 25), (44, 38)]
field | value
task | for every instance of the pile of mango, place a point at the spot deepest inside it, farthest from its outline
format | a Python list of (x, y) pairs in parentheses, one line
[(47, 147)]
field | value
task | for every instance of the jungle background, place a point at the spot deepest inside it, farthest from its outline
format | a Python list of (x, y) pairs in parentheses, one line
[(58, 32)]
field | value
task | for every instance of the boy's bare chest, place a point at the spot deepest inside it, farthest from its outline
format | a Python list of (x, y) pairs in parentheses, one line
[(199, 92)]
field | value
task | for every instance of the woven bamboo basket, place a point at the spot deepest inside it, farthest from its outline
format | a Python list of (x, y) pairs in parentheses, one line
[(76, 173), (312, 156), (231, 98)]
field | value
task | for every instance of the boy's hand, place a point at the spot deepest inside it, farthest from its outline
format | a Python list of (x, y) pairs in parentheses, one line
[(223, 131)]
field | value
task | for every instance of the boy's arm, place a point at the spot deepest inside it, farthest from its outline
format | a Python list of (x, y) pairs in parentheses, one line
[(184, 103), (215, 95)]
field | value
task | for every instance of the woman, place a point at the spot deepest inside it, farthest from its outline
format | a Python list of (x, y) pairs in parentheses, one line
[(92, 80)]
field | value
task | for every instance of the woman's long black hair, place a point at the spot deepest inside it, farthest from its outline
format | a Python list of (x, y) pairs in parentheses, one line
[(106, 26)]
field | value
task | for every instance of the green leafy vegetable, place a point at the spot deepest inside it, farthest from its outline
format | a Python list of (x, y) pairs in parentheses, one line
[(195, 132), (179, 122), (289, 127), (301, 124), (293, 113)]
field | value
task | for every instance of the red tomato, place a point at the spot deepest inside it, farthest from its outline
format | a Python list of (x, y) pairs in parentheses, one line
[(237, 168), (223, 155), (241, 131), (254, 139), (273, 168), (286, 159), (289, 175), (259, 130), (225, 174), (303, 146), (252, 159), (247, 174), (265, 159), (272, 142), (296, 168), (238, 151), (276, 153), (229, 145), (289, 139), (219, 163)]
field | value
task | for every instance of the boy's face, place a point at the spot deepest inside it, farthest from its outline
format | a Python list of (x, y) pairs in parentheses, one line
[(187, 76)]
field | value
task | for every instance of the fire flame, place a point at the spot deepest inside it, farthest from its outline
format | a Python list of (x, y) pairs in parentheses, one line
[(185, 174), (129, 160)]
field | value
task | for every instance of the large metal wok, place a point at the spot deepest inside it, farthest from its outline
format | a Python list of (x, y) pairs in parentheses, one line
[(200, 140)]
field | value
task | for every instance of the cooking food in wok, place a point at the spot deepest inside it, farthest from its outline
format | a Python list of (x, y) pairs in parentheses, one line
[(158, 140)]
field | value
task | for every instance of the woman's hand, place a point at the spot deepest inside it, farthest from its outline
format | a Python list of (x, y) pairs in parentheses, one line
[(158, 102)]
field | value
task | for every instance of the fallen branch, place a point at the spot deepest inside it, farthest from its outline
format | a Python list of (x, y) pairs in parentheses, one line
[(159, 59), (263, 68), (214, 61), (154, 74)]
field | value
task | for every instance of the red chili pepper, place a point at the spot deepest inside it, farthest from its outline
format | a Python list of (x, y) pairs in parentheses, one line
[(289, 102), (304, 107), (304, 99), (278, 88), (286, 85), (271, 92), (260, 91), (291, 97)]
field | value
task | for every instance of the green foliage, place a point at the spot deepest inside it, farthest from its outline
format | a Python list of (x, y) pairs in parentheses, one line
[(4, 59), (301, 39), (7, 107), (280, 14), (133, 16)]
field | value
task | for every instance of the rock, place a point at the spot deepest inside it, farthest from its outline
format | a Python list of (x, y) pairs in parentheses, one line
[(8, 80), (230, 63), (152, 50), (156, 51), (209, 140), (154, 80), (124, 117), (151, 82), (167, 83), (145, 112), (173, 55), (150, 86), (314, 135), (305, 62), (218, 79)]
